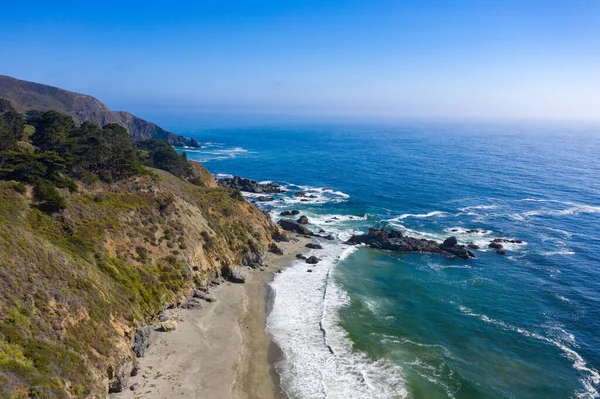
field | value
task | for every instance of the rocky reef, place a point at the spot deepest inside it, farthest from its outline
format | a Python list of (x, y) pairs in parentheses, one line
[(394, 240), (251, 186)]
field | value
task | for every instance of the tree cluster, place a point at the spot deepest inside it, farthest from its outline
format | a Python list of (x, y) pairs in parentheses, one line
[(59, 152)]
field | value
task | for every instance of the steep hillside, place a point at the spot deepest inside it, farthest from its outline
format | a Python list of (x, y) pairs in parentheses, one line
[(28, 95), (75, 284)]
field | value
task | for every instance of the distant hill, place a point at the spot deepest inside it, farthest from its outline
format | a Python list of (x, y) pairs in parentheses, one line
[(26, 95)]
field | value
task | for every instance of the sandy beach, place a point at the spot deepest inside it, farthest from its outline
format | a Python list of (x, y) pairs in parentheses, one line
[(221, 350)]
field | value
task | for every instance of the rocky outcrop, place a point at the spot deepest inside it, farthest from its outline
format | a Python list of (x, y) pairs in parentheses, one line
[(294, 227), (289, 213), (302, 220), (274, 249), (312, 260), (141, 340), (250, 186), (236, 275), (313, 246), (395, 241)]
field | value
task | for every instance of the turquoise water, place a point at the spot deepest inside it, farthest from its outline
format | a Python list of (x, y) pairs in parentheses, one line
[(524, 325)]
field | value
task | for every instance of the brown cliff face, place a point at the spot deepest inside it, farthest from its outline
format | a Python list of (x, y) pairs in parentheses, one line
[(29, 95), (75, 285)]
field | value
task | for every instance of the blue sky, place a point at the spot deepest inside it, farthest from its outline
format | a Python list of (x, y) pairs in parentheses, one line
[(375, 59)]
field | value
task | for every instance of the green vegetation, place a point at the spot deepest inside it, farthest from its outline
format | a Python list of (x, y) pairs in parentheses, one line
[(93, 243), (50, 151)]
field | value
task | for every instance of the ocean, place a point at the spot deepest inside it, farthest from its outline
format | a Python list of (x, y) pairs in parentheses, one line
[(374, 324)]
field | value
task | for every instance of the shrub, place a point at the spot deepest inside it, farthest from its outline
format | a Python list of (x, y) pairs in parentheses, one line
[(48, 196)]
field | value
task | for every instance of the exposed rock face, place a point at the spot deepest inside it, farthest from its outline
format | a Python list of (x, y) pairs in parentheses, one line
[(302, 220), (289, 213), (119, 376), (250, 186), (312, 260), (141, 340), (29, 95), (294, 227), (394, 241), (496, 245)]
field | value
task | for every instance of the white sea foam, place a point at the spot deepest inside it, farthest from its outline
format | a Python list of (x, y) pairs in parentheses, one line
[(590, 378), (319, 359), (420, 215), (561, 252), (220, 176)]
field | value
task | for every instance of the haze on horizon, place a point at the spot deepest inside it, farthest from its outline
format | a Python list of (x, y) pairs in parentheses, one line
[(380, 59)]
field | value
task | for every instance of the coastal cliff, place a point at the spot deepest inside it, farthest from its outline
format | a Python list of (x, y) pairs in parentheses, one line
[(26, 96), (75, 285), (98, 235)]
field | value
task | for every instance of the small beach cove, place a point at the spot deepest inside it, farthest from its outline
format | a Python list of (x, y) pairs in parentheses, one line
[(220, 350)]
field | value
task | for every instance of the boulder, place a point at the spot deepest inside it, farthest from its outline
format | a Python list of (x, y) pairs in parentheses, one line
[(273, 248), (294, 227), (472, 246), (300, 256), (169, 325), (309, 270), (312, 260), (302, 220), (136, 368), (501, 252), (135, 386), (313, 246), (263, 198), (192, 303), (163, 316), (300, 194), (280, 237), (236, 275), (496, 245)]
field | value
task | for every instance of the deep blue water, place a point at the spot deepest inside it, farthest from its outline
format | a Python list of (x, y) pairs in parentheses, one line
[(524, 325)]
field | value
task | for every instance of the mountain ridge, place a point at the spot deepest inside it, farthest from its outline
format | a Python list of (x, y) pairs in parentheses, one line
[(26, 95)]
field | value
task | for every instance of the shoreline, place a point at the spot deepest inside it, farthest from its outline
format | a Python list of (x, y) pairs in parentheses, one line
[(221, 350)]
